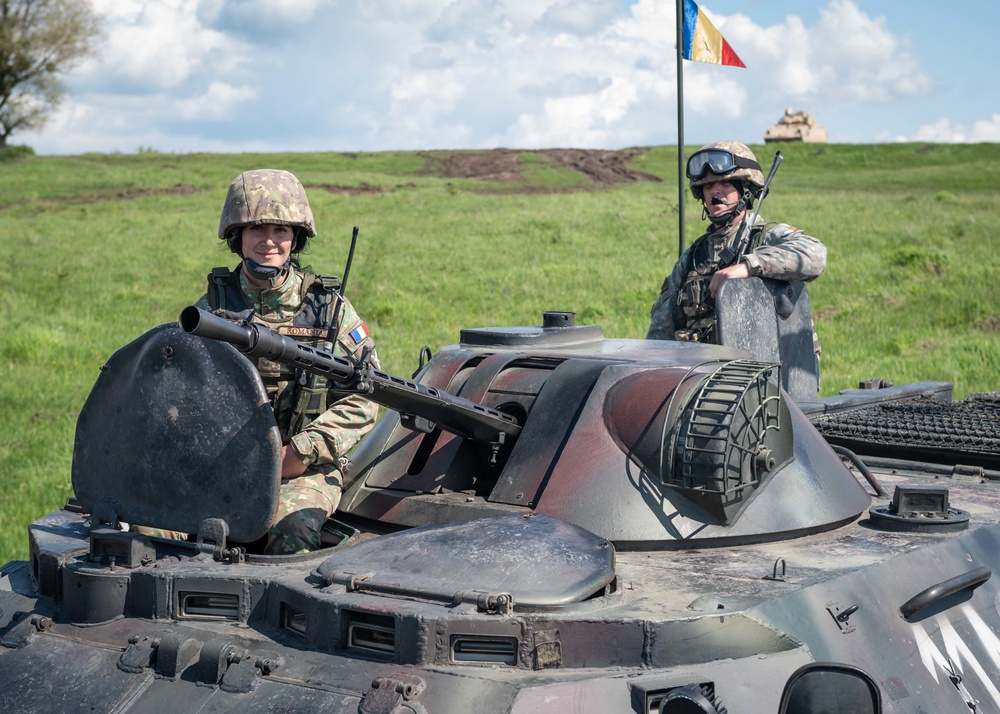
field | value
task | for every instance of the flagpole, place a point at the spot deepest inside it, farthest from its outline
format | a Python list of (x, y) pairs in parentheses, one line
[(680, 126)]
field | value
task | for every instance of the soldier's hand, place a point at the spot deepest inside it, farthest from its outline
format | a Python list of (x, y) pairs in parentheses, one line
[(740, 270), (292, 464)]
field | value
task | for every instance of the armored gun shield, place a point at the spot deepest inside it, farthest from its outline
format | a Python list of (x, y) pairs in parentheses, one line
[(176, 430), (771, 320)]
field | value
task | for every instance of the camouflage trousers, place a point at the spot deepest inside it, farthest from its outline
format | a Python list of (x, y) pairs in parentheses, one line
[(304, 504)]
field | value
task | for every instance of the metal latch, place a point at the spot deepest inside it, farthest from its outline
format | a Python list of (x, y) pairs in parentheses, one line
[(20, 634), (232, 668), (968, 474), (167, 655), (842, 616), (393, 695)]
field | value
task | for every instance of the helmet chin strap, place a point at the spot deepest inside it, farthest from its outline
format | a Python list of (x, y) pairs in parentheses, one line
[(724, 219), (273, 275)]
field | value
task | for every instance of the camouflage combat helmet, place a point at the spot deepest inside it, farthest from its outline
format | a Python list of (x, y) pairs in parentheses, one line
[(266, 196), (741, 165)]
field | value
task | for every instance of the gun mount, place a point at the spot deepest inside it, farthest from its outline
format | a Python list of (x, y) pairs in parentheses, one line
[(699, 440), (435, 408)]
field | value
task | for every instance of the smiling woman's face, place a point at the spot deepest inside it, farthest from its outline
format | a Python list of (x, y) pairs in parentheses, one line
[(268, 244)]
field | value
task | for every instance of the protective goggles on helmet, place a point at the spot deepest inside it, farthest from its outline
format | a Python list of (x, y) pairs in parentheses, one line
[(717, 161)]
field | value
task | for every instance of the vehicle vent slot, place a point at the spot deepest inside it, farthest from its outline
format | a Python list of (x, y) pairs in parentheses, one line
[(293, 621), (208, 606), (484, 650), (371, 633), (102, 550)]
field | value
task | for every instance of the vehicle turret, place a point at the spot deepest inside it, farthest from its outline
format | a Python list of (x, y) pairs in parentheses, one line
[(641, 443)]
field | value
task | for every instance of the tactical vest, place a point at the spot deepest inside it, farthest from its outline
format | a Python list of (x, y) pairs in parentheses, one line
[(297, 398), (694, 311)]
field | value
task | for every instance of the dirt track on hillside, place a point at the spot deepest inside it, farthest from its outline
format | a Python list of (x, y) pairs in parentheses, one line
[(601, 168)]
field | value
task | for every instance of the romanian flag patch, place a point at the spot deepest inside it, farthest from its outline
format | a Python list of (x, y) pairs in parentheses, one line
[(359, 333)]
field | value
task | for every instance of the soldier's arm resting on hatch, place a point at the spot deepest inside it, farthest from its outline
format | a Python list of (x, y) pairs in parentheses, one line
[(786, 253)]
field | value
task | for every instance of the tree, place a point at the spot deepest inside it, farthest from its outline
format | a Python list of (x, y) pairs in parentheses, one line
[(39, 41)]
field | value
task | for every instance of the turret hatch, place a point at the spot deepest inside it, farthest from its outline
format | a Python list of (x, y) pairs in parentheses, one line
[(521, 561), (178, 429)]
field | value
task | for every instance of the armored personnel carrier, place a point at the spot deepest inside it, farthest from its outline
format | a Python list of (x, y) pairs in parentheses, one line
[(544, 520), (796, 126)]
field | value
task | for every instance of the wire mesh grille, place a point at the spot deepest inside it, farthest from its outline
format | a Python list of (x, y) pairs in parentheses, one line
[(971, 425), (726, 427)]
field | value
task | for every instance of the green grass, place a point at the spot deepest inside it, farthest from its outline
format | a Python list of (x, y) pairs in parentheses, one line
[(100, 248)]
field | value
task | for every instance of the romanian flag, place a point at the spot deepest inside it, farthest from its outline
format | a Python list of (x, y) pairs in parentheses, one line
[(702, 42)]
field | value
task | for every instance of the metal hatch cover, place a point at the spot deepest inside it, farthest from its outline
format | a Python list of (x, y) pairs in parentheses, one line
[(532, 337), (178, 429), (538, 560)]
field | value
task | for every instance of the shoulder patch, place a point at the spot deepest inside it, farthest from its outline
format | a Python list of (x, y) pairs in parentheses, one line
[(359, 334), (788, 230), (293, 331)]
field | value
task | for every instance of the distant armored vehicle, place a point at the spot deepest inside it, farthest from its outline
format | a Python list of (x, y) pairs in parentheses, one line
[(796, 126), (544, 520)]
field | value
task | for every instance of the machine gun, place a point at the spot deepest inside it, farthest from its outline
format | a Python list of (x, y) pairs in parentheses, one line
[(423, 408)]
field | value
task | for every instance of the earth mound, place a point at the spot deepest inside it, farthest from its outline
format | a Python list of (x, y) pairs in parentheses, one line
[(600, 167)]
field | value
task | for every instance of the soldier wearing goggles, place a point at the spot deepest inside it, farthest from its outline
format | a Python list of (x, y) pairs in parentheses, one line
[(727, 179), (718, 162)]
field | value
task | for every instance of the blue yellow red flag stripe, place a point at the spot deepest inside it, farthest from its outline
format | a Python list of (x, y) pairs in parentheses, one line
[(702, 42)]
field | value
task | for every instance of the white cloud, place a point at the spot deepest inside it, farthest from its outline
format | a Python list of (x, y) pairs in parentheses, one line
[(581, 17), (397, 74), (219, 101), (292, 11), (578, 121), (986, 129), (158, 44), (946, 131), (848, 57)]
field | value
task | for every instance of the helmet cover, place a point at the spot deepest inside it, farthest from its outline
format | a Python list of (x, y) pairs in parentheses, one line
[(266, 196), (749, 175)]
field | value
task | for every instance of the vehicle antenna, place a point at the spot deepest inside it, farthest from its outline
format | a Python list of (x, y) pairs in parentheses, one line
[(350, 259), (343, 287), (760, 199)]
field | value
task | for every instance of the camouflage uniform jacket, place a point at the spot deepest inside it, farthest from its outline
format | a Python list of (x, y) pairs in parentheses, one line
[(777, 251), (331, 425)]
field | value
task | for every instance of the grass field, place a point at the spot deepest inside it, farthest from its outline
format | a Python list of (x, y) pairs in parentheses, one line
[(100, 248)]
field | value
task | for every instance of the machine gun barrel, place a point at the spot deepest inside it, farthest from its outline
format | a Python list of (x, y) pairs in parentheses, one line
[(460, 416)]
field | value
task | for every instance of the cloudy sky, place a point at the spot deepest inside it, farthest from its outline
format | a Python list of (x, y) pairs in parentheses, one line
[(369, 75)]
